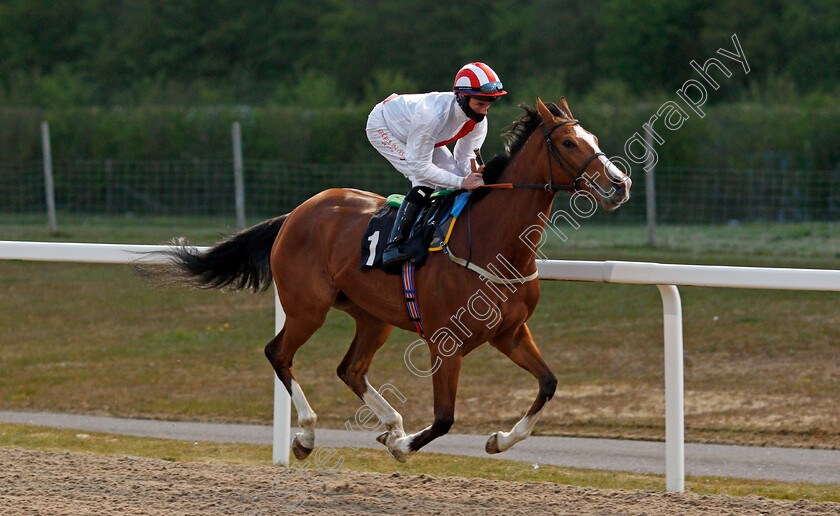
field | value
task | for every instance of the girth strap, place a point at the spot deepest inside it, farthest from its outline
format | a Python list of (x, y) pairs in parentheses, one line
[(411, 301)]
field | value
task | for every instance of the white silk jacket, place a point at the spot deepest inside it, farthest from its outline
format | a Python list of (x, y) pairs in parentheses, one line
[(430, 120)]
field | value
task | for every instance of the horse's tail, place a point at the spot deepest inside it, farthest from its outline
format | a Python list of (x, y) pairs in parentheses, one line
[(241, 261)]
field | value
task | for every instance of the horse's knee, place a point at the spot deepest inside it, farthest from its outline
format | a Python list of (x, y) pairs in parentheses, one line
[(548, 386)]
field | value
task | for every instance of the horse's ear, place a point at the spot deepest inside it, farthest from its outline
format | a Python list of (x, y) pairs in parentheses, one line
[(544, 112), (564, 107)]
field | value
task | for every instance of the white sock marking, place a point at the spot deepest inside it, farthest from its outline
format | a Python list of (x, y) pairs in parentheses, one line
[(306, 416)]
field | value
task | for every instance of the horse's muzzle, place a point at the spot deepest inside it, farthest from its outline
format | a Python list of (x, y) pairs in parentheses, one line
[(619, 195)]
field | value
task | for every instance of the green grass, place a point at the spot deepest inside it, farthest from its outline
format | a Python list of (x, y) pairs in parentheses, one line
[(803, 245), (761, 366), (378, 461), (117, 229)]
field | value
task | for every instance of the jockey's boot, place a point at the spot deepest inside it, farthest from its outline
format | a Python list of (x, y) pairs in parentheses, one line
[(416, 199)]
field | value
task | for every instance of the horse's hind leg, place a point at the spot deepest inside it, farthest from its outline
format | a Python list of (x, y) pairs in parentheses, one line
[(280, 352), (520, 348)]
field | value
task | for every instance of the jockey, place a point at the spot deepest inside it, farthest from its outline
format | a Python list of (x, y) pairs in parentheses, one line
[(412, 132)]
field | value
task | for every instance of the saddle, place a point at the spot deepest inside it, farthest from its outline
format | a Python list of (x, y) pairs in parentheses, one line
[(431, 230)]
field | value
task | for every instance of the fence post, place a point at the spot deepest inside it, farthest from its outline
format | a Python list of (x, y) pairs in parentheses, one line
[(109, 186), (239, 181), (49, 188), (281, 430), (650, 193)]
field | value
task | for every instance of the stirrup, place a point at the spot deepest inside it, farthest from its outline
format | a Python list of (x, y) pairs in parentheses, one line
[(393, 255)]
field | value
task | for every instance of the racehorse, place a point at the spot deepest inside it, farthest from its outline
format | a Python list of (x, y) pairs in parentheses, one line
[(313, 256)]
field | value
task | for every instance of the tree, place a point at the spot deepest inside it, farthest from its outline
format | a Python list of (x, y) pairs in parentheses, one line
[(39, 35), (548, 41), (647, 43)]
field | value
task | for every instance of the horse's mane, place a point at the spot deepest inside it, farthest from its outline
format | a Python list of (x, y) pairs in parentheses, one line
[(515, 136)]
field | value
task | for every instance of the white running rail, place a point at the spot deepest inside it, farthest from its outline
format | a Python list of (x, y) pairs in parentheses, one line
[(666, 277)]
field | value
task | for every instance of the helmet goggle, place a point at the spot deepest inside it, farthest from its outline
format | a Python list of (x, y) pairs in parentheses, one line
[(491, 89)]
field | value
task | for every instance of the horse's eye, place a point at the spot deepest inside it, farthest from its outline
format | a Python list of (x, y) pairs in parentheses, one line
[(569, 144)]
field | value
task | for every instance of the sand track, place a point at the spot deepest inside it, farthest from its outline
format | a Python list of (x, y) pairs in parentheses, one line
[(46, 482)]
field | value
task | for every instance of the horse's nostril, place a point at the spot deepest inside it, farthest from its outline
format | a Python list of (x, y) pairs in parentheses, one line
[(623, 186)]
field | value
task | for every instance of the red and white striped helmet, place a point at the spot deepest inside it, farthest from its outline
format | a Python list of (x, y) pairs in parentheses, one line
[(478, 79)]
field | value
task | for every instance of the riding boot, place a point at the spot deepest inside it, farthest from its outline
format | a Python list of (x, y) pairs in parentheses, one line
[(416, 199)]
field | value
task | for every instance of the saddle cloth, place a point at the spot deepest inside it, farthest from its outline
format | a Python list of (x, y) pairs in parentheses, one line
[(431, 230)]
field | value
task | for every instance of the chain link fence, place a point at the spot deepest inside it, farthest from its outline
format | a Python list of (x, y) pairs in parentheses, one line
[(206, 187)]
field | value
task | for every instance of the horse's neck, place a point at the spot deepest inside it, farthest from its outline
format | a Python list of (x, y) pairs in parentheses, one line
[(510, 222)]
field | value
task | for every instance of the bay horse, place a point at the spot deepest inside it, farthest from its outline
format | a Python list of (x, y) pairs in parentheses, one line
[(313, 255)]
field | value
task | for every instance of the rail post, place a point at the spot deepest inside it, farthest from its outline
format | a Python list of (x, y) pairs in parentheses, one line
[(281, 434), (674, 396)]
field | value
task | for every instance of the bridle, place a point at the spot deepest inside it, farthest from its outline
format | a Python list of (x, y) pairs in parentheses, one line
[(551, 186), (560, 159), (554, 155)]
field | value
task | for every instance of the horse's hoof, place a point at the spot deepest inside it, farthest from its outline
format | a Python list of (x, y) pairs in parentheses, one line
[(301, 452), (492, 445), (383, 438), (400, 456)]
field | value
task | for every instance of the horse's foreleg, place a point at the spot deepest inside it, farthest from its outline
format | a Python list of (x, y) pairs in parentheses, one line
[(520, 348), (388, 416), (445, 384), (371, 333)]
